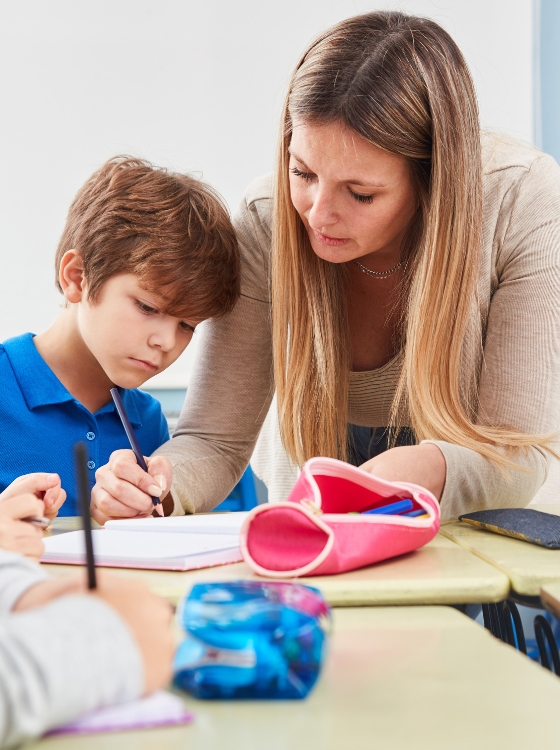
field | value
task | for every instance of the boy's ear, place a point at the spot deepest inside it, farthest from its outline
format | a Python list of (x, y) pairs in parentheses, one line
[(71, 276)]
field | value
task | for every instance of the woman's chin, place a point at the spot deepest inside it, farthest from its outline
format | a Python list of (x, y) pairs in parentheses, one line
[(332, 254)]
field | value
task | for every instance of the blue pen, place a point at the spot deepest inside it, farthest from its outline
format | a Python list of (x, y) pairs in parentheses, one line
[(133, 442), (414, 513), (393, 509)]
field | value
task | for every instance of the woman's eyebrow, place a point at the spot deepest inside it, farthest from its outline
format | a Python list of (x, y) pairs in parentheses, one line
[(350, 181), (292, 153)]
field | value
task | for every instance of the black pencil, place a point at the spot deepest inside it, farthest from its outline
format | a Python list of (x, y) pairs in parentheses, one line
[(156, 502), (82, 482)]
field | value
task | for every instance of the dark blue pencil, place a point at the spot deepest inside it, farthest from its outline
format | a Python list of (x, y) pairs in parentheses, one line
[(133, 442)]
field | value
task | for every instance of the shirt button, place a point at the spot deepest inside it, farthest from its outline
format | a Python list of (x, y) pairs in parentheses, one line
[(91, 464), (90, 435)]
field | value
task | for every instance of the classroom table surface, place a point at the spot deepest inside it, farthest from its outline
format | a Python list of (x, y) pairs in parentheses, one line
[(395, 677), (441, 572), (528, 566)]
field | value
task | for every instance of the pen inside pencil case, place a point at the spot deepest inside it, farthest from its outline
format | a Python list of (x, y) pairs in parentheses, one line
[(397, 508)]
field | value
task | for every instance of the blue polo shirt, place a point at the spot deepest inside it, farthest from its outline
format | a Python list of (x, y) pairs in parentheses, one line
[(40, 421)]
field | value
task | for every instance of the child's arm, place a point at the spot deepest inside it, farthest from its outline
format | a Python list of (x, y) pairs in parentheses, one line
[(45, 487), (79, 653), (17, 535), (123, 490)]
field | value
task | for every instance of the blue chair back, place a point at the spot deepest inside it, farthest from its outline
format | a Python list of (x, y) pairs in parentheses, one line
[(243, 496)]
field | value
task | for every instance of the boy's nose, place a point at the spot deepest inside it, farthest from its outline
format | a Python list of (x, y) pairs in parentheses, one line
[(164, 338)]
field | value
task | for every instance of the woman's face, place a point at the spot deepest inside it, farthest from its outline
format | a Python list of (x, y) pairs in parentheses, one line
[(355, 200)]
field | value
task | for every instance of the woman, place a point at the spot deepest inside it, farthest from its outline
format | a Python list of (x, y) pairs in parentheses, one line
[(414, 284)]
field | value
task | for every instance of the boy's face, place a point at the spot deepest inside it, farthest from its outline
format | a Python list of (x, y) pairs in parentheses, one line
[(128, 335)]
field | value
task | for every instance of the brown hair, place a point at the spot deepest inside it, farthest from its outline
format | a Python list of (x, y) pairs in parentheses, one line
[(171, 230), (401, 83)]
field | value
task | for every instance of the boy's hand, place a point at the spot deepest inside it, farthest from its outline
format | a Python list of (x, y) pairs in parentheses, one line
[(124, 490), (17, 535), (45, 487)]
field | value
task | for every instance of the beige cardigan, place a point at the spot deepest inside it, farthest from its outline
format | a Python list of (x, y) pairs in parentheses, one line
[(232, 384)]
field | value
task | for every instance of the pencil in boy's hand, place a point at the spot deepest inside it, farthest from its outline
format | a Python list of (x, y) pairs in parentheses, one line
[(133, 442), (82, 482)]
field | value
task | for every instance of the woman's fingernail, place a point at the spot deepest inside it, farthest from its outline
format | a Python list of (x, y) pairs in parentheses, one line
[(154, 490), (161, 480)]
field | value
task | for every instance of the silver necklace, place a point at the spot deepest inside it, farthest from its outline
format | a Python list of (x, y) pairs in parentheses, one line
[(378, 274)]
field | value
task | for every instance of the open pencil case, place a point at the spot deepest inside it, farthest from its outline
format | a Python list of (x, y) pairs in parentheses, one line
[(319, 529)]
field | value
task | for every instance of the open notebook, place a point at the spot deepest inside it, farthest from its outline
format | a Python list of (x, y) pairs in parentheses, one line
[(178, 543)]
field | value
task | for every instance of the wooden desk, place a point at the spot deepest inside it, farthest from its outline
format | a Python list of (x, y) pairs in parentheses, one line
[(426, 678), (527, 566), (439, 573)]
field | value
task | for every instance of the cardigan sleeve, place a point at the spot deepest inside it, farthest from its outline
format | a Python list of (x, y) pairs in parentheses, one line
[(232, 382), (520, 377)]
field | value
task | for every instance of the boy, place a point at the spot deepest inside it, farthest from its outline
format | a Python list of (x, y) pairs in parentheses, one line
[(145, 256)]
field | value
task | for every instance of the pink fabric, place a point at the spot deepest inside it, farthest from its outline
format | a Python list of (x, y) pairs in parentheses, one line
[(315, 533)]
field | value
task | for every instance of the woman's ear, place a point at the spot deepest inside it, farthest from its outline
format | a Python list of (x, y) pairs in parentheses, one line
[(71, 276)]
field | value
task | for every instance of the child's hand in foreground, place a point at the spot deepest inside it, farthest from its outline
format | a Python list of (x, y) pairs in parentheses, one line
[(148, 616), (17, 535), (124, 490), (45, 487)]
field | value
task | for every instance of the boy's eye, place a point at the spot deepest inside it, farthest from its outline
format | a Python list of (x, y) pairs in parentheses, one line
[(145, 308), (187, 327)]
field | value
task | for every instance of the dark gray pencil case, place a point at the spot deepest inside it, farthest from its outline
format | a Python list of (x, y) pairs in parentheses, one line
[(520, 523)]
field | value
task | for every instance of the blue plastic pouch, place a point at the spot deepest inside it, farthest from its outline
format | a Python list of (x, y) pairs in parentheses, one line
[(247, 639)]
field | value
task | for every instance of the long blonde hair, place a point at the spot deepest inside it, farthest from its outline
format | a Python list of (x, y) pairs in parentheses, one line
[(401, 83)]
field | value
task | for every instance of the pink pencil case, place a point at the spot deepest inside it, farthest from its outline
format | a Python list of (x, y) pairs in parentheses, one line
[(318, 530)]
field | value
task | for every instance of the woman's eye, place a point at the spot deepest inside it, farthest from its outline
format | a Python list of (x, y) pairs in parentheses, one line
[(361, 198), (186, 327), (145, 308), (304, 175)]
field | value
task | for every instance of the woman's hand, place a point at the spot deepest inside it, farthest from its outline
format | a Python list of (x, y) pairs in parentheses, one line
[(17, 535), (45, 487), (422, 464), (124, 490)]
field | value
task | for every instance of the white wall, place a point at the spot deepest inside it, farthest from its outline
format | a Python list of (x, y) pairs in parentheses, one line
[(193, 85)]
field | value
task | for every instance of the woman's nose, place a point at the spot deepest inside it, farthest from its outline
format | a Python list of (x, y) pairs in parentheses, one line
[(322, 212)]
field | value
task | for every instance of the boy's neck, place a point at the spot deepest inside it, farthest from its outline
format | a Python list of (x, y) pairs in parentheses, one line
[(64, 350)]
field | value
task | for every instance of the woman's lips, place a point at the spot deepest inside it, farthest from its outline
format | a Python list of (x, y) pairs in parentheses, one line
[(332, 241), (143, 365)]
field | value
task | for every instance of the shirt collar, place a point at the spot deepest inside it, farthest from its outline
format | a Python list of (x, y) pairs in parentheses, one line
[(131, 408), (38, 383), (40, 386)]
